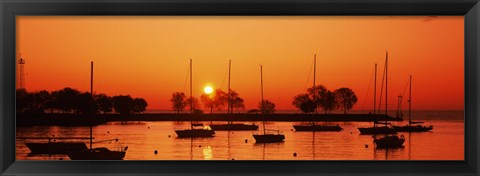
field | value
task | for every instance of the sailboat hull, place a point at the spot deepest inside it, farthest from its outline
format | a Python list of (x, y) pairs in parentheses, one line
[(317, 128), (96, 154), (410, 128), (233, 127), (377, 130), (389, 142), (268, 138), (55, 147), (194, 133)]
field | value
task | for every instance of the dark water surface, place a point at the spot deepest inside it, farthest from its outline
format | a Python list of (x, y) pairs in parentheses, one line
[(445, 142)]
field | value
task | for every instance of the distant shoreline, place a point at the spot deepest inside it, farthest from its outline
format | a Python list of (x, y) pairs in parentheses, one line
[(85, 120)]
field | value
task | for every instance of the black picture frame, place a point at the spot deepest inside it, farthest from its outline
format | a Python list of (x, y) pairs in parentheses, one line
[(9, 9)]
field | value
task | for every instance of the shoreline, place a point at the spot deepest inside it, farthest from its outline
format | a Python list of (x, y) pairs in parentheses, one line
[(86, 120)]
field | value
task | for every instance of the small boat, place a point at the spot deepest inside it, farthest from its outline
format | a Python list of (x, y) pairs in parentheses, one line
[(196, 129), (313, 126), (389, 141), (316, 127), (54, 147), (267, 137), (376, 129), (411, 127), (100, 153), (232, 126)]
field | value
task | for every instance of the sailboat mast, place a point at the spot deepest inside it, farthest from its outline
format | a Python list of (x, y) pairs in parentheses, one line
[(375, 91), (191, 94), (263, 103), (314, 77), (386, 84), (229, 110), (91, 94), (410, 102)]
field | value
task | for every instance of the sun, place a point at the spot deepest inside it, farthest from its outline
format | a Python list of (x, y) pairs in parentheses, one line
[(208, 89)]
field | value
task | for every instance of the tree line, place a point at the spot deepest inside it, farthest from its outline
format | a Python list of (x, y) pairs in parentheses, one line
[(319, 97), (342, 98), (72, 101), (217, 100)]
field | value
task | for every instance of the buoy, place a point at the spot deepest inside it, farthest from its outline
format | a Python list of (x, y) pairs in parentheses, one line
[(108, 132), (169, 136), (155, 152), (294, 154), (366, 145), (246, 140), (291, 129), (199, 145), (351, 132), (233, 158), (148, 127)]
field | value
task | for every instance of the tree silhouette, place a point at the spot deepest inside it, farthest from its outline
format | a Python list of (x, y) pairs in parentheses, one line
[(67, 99), (329, 102), (196, 104), (139, 105), (235, 101), (320, 96), (178, 101), (220, 99), (21, 102), (346, 98), (304, 103), (85, 104), (123, 104), (208, 101), (104, 103), (266, 107)]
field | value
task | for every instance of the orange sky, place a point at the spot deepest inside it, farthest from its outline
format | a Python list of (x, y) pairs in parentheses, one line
[(148, 56)]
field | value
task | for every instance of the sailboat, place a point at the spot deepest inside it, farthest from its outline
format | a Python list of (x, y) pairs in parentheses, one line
[(52, 146), (267, 137), (313, 126), (232, 126), (376, 129), (411, 127), (389, 141), (195, 130), (100, 153)]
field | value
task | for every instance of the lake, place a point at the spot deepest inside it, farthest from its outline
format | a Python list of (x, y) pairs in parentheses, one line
[(444, 142)]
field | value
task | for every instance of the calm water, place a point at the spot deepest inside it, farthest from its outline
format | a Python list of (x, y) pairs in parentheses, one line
[(445, 142)]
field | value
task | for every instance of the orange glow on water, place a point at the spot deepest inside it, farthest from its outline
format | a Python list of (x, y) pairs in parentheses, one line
[(148, 56)]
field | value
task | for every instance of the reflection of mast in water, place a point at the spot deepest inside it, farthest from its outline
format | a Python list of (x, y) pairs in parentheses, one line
[(228, 145), (264, 151), (313, 145), (409, 145), (191, 148)]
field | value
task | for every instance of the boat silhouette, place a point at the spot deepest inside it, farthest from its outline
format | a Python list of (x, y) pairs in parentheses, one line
[(230, 126), (100, 153), (390, 140), (267, 137), (52, 146), (411, 127), (377, 129), (314, 126), (194, 130)]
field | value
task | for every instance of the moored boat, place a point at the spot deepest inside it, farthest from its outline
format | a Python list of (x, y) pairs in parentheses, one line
[(389, 141)]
